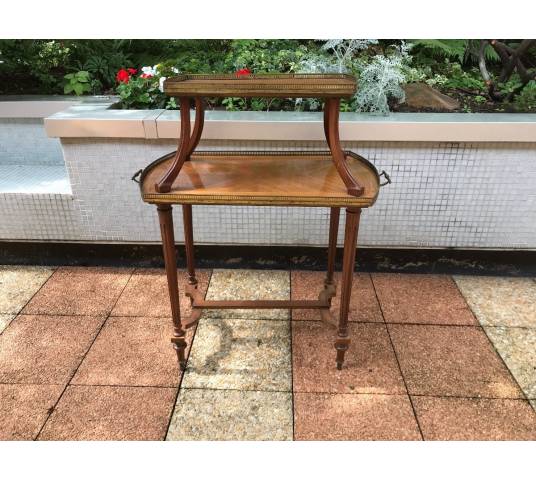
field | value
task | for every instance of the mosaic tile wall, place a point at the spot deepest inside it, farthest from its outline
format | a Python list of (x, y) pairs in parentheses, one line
[(23, 141), (443, 195)]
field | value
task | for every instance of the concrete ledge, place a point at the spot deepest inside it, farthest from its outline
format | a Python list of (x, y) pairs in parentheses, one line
[(41, 106), (102, 121)]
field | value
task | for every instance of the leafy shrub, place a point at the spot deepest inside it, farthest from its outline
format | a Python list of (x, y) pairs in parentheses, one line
[(526, 100), (77, 83)]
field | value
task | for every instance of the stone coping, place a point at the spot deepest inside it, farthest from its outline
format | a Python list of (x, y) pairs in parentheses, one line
[(100, 121), (41, 106)]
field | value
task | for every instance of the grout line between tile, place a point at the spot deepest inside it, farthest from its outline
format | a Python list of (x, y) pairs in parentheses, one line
[(397, 361), (184, 372), (51, 410), (29, 300), (291, 356), (491, 342)]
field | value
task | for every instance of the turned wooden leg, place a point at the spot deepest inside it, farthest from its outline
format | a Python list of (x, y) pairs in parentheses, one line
[(189, 243), (350, 240), (334, 215), (168, 244)]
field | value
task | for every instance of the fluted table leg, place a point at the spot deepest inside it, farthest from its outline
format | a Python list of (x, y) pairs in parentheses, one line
[(350, 241), (170, 259)]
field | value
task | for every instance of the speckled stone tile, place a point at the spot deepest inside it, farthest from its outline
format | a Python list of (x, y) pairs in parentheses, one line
[(364, 307), (517, 347), (533, 403), (475, 419), (240, 354), (18, 284), (422, 299), (24, 409), (80, 291), (249, 285), (500, 301), (231, 415), (134, 351), (5, 320), (451, 361), (110, 413), (146, 293), (354, 417), (370, 364), (45, 349)]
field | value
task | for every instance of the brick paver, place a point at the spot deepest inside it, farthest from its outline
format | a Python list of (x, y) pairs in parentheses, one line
[(89, 357)]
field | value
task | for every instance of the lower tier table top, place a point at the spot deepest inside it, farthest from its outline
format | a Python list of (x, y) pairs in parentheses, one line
[(261, 178)]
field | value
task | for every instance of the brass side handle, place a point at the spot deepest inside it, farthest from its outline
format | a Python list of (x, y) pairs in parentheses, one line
[(387, 178), (136, 175)]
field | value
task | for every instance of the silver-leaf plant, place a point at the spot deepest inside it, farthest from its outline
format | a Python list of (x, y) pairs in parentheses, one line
[(380, 78)]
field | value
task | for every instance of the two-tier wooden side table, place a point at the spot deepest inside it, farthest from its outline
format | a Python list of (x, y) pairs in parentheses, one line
[(332, 178)]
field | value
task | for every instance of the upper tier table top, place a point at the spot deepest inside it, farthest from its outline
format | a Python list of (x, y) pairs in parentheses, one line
[(292, 85), (261, 178)]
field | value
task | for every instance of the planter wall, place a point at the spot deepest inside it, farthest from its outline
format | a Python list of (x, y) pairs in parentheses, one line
[(458, 182)]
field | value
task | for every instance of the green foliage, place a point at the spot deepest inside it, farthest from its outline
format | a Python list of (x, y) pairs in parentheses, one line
[(526, 100), (234, 103), (465, 79), (57, 66), (142, 93), (451, 49), (77, 83)]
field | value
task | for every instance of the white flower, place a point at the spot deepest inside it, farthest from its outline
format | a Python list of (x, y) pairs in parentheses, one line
[(174, 69), (161, 83), (149, 70)]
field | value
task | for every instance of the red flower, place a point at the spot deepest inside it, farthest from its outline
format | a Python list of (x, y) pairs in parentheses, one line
[(146, 75), (122, 76), (243, 71), (132, 71)]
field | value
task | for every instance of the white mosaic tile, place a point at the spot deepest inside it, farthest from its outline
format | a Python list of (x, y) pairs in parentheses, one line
[(442, 195)]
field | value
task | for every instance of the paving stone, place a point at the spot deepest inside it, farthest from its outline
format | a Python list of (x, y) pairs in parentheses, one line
[(240, 354), (370, 364), (475, 419), (517, 347), (423, 299), (364, 307), (110, 413), (146, 294), (249, 285), (134, 351), (80, 291), (18, 284), (500, 301), (451, 361), (231, 415), (533, 403), (354, 417), (45, 349), (24, 409), (5, 320)]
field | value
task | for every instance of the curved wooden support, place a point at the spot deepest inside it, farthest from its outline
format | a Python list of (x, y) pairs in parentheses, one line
[(331, 118), (164, 185), (187, 142), (326, 132), (198, 126)]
